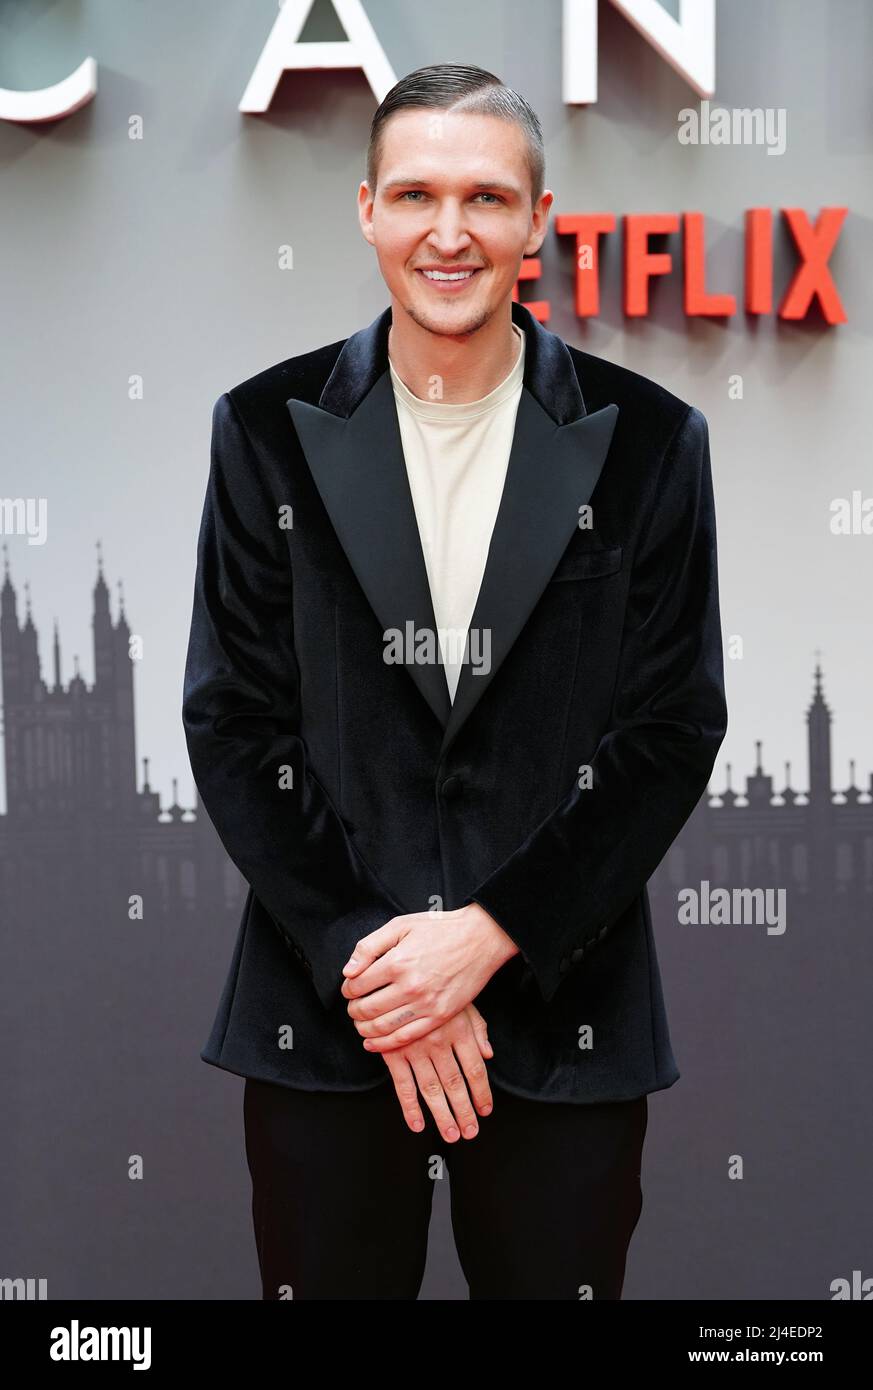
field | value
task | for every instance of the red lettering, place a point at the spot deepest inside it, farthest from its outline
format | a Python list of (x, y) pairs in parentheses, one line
[(759, 261), (531, 269), (813, 277), (810, 280), (697, 301), (588, 228), (640, 264)]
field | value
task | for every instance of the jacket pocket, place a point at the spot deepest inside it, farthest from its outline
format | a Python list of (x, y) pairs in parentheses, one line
[(587, 564)]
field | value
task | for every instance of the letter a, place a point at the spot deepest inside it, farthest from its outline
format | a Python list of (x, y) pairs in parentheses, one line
[(282, 52)]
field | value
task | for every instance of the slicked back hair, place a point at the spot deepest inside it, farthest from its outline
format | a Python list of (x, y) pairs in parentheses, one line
[(459, 87)]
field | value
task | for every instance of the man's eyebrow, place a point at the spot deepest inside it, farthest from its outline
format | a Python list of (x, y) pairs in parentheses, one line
[(474, 183)]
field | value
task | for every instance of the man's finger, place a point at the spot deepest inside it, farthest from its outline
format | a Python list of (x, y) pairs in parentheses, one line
[(435, 1098), (407, 1094), (382, 1024), (452, 1078), (475, 1072), (409, 1033), (369, 948), (378, 976), (480, 1031)]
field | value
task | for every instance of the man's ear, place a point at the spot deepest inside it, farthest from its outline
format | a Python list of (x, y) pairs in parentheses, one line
[(365, 211), (540, 217)]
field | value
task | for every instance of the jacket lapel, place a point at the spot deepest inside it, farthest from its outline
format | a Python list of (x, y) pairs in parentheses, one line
[(352, 444), (358, 466)]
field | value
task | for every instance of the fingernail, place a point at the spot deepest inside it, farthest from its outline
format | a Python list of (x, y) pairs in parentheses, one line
[(486, 1109), (471, 1131), (452, 1133), (418, 1124)]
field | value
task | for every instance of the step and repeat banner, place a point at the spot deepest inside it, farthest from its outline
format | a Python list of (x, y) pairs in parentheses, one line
[(179, 213)]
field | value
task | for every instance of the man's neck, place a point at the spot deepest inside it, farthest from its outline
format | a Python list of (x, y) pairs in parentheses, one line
[(469, 367)]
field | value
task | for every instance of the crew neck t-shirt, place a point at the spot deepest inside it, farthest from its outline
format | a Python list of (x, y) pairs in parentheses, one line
[(456, 458)]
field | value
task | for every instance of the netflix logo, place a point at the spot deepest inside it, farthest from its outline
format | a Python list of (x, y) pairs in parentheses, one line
[(810, 282)]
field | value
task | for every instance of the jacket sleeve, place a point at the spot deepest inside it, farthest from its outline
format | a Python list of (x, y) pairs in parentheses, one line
[(582, 866), (241, 715)]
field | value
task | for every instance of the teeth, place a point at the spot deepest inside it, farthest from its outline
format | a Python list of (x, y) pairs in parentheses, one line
[(442, 275)]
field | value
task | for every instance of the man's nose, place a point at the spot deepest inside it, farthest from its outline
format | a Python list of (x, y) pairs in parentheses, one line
[(449, 233)]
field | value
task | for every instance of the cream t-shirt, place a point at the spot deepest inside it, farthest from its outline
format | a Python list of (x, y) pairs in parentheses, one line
[(456, 458)]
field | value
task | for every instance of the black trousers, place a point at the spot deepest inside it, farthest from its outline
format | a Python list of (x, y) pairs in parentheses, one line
[(544, 1199)]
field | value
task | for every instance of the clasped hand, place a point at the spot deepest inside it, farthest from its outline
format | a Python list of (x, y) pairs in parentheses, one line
[(410, 986)]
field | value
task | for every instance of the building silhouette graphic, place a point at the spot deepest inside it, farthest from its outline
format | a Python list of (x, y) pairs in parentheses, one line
[(78, 828)]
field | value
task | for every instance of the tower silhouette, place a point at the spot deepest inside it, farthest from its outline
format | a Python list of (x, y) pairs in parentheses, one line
[(77, 827)]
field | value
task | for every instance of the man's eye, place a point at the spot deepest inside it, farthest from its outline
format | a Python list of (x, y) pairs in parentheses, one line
[(419, 193)]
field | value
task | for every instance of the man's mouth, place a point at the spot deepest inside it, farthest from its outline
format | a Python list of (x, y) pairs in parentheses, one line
[(448, 278)]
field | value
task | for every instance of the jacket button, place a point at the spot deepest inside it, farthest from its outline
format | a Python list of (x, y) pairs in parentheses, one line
[(451, 788)]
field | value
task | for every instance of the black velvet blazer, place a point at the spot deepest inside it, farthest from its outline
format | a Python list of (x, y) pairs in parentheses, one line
[(348, 789)]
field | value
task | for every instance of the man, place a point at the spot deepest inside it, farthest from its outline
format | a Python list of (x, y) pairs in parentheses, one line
[(454, 685)]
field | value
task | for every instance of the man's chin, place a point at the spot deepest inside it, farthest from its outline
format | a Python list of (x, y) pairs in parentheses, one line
[(450, 324)]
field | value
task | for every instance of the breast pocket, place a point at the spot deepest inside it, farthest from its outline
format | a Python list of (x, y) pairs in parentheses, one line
[(587, 564)]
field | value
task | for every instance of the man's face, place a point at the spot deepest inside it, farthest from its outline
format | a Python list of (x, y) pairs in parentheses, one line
[(453, 192)]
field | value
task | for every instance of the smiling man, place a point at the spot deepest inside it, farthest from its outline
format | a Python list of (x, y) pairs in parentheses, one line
[(447, 947)]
